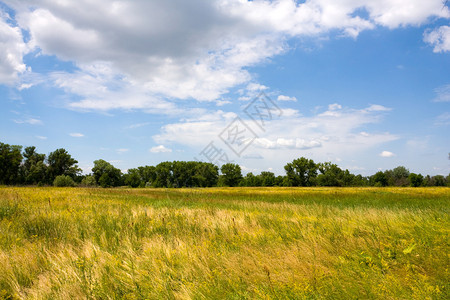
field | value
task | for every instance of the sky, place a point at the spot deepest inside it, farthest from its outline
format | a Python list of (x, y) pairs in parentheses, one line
[(363, 84)]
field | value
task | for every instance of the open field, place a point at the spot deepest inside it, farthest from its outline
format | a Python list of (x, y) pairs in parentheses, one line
[(234, 243)]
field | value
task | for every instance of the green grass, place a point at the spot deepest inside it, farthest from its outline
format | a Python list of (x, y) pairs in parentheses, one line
[(224, 243)]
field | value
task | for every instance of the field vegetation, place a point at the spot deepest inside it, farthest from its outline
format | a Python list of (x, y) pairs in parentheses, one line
[(224, 243)]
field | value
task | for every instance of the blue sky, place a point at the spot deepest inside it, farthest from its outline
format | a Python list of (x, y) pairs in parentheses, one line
[(363, 84)]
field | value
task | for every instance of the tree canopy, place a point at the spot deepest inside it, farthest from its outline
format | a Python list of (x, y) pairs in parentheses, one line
[(30, 167)]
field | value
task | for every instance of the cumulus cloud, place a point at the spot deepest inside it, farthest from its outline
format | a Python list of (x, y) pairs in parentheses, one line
[(160, 149), (439, 38), (286, 98), (13, 49), (76, 135), (334, 106), (344, 134), (386, 154), (323, 130), (145, 54)]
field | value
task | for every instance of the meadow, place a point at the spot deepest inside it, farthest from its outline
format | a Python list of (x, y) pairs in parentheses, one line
[(224, 243)]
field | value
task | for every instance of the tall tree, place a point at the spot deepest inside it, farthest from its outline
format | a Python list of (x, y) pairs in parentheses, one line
[(133, 178), (147, 174), (33, 169), (60, 162), (206, 174), (415, 180), (301, 172), (105, 174), (164, 175), (10, 159), (379, 179), (231, 174), (400, 176), (267, 178)]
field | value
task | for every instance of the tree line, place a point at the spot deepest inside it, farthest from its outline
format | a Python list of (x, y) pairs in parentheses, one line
[(59, 168)]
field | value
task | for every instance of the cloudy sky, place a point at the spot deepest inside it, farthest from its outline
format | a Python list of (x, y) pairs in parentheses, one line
[(361, 83)]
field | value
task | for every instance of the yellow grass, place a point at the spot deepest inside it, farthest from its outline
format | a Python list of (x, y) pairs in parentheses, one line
[(234, 243)]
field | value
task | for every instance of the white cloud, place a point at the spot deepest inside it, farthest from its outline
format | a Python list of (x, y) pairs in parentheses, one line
[(160, 149), (76, 134), (289, 112), (286, 98), (31, 121), (256, 87), (386, 154), (443, 119), (376, 107), (439, 38), (334, 106), (345, 135), (137, 125), (122, 150), (289, 136), (157, 52), (222, 102), (442, 94), (41, 137), (13, 49)]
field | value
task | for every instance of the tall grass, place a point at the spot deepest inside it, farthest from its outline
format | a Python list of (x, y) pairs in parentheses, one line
[(235, 243)]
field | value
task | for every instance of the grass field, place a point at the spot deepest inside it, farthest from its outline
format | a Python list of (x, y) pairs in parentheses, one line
[(224, 243)]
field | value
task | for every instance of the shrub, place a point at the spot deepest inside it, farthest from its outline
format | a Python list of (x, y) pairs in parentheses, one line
[(88, 181), (63, 180)]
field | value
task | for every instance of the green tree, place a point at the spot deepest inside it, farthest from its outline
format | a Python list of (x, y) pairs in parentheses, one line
[(10, 159), (360, 180), (105, 174), (164, 175), (267, 178), (301, 172), (331, 175), (415, 180), (60, 162), (63, 181), (133, 178), (88, 181), (147, 174), (379, 179), (231, 174), (438, 180), (400, 176), (251, 180), (279, 180), (206, 174), (33, 168)]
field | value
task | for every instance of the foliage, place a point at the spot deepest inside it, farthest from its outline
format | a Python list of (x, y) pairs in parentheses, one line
[(63, 181), (301, 172), (88, 181), (415, 179), (60, 162), (231, 174), (33, 168), (10, 159), (379, 179), (105, 174)]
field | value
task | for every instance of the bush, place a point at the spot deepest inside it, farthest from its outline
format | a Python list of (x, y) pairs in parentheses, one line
[(63, 180), (88, 181)]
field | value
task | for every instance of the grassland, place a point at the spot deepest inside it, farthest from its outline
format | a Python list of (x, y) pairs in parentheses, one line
[(235, 243)]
